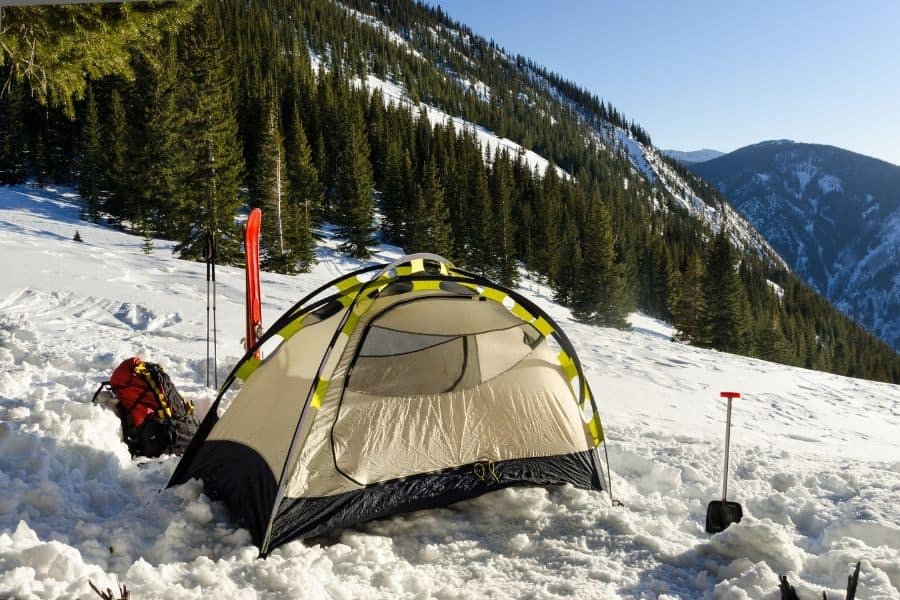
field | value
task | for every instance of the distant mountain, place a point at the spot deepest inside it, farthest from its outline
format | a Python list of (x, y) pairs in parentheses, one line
[(693, 156), (834, 215)]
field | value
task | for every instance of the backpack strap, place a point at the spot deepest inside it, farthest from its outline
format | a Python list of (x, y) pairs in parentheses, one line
[(165, 411)]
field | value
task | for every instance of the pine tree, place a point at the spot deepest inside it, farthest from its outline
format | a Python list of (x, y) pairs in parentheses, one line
[(504, 267), (566, 266), (91, 158), (211, 199), (480, 256), (304, 193), (726, 299), (271, 187), (353, 187), (687, 303), (599, 295), (395, 193), (117, 176), (430, 220), (13, 136), (162, 154)]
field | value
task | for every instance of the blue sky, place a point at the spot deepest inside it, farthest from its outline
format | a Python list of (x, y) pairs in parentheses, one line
[(718, 74)]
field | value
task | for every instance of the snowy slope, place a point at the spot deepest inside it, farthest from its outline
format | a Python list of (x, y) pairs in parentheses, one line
[(815, 463)]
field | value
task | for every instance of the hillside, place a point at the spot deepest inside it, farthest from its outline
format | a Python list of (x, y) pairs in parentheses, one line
[(396, 124), (834, 215), (813, 455)]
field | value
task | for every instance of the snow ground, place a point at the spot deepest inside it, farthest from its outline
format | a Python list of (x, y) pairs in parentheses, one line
[(815, 457)]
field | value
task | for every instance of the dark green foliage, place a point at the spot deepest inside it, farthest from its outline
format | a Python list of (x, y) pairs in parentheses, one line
[(13, 137), (161, 157), (117, 174), (687, 303), (430, 226), (726, 299), (91, 158), (352, 194), (599, 292), (199, 125), (53, 49), (304, 193), (214, 157)]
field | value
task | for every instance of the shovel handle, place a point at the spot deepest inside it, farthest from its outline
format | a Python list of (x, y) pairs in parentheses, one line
[(727, 449)]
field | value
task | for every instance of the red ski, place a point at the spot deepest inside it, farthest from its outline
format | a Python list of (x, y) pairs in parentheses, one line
[(254, 301)]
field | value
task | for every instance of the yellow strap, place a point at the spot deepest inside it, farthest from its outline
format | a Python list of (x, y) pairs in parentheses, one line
[(543, 326), (164, 410), (522, 313), (596, 429), (495, 295), (419, 286), (568, 365), (345, 284), (319, 394), (247, 368)]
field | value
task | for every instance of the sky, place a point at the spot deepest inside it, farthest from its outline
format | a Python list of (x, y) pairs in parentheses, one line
[(722, 75)]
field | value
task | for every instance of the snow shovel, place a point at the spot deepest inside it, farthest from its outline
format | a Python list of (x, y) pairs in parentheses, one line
[(722, 513)]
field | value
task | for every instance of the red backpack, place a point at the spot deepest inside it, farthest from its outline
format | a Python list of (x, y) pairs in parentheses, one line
[(155, 418)]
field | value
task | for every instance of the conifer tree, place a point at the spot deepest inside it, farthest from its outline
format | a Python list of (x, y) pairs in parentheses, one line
[(480, 256), (117, 175), (211, 199), (92, 154), (504, 267), (13, 137), (687, 303), (272, 188), (729, 327), (162, 154), (430, 220), (304, 193), (354, 187), (599, 295), (566, 267), (395, 193)]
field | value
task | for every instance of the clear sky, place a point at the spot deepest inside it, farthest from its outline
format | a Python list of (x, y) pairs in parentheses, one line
[(713, 74)]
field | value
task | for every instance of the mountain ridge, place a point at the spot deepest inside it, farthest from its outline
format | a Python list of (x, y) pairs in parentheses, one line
[(834, 214)]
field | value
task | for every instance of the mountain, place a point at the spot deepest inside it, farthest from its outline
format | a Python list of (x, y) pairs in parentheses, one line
[(693, 156), (390, 120), (834, 215)]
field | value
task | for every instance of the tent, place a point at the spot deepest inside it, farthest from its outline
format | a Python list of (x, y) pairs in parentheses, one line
[(413, 385)]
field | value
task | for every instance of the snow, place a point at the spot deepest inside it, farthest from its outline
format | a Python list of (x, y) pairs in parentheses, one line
[(815, 457), (831, 183), (394, 94), (389, 33)]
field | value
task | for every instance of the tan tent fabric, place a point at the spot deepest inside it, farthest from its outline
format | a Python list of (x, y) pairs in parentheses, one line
[(449, 316), (500, 400), (264, 414)]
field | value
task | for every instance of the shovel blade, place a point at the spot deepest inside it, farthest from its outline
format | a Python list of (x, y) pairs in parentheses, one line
[(721, 514)]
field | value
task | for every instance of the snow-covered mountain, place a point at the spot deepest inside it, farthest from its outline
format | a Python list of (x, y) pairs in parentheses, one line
[(814, 456), (693, 156), (484, 71), (834, 215)]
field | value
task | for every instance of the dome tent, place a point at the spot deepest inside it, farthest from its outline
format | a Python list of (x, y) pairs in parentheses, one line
[(417, 387)]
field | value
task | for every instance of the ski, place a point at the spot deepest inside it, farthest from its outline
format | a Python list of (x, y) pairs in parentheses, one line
[(253, 301)]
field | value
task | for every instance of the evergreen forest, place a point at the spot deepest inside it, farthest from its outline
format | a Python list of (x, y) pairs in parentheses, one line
[(234, 105)]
